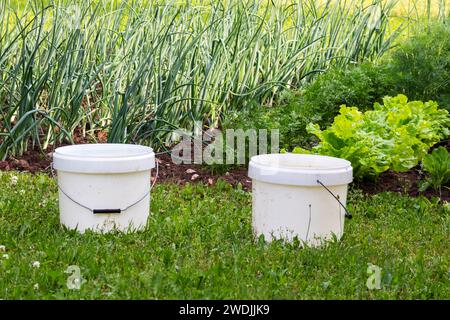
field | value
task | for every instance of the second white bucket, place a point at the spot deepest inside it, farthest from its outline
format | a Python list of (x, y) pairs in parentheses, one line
[(299, 195), (104, 186)]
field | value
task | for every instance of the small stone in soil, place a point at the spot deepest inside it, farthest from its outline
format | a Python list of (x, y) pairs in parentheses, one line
[(190, 171), (195, 177), (24, 164)]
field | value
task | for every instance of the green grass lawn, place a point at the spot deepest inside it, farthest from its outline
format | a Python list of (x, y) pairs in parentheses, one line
[(199, 244)]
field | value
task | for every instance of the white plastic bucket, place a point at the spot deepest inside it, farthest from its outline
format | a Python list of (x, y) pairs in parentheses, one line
[(299, 195), (104, 186)]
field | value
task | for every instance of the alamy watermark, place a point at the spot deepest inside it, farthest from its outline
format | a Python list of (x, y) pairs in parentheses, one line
[(374, 279), (74, 280), (216, 147)]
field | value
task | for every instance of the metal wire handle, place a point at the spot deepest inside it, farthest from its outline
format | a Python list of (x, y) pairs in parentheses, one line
[(347, 214), (309, 222), (156, 175), (106, 211)]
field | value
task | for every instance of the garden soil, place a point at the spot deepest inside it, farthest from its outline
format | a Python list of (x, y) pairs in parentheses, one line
[(35, 161)]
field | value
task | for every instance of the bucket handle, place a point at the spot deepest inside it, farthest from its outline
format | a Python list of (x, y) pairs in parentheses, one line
[(347, 214), (156, 174), (105, 211)]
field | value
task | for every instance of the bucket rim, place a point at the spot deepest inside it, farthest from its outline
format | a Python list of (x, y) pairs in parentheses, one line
[(103, 150), (103, 158), (300, 169), (326, 162)]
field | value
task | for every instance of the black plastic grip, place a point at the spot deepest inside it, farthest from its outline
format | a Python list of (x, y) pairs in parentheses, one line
[(100, 211)]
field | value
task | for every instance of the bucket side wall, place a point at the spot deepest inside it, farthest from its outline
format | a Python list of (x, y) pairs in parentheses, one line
[(285, 211), (104, 191)]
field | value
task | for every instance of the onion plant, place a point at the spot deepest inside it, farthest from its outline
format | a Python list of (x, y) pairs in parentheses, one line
[(138, 69)]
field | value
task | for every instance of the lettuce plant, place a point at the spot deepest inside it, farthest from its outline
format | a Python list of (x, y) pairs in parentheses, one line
[(395, 135), (437, 166)]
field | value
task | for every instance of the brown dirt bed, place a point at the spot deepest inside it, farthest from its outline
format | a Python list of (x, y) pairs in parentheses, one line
[(406, 183)]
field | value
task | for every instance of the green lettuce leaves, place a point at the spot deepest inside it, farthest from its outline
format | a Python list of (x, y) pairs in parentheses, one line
[(395, 135)]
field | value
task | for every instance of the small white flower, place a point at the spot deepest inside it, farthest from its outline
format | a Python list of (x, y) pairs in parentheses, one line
[(36, 264), (2, 248), (36, 286), (14, 180), (5, 256)]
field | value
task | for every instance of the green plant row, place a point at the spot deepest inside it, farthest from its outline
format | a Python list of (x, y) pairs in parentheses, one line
[(139, 69), (419, 67)]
